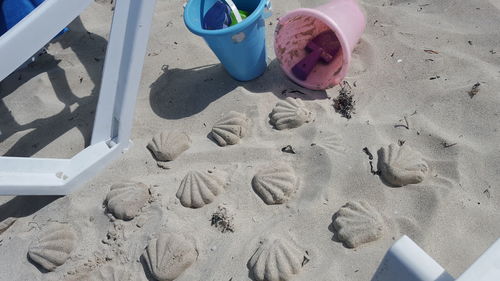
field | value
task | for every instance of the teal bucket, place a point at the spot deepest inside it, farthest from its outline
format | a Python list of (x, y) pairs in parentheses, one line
[(241, 48)]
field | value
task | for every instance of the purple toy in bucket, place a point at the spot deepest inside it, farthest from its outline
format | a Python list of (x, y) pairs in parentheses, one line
[(323, 47), (217, 17), (222, 15)]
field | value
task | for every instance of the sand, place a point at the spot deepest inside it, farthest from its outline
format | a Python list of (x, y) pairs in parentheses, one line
[(403, 93)]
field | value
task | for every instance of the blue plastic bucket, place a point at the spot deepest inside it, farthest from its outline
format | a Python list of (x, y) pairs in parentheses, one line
[(241, 48)]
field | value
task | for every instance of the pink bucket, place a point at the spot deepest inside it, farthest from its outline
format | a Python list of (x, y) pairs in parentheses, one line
[(297, 28)]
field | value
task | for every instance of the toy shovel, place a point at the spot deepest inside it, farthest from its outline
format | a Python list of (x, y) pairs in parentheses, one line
[(323, 47)]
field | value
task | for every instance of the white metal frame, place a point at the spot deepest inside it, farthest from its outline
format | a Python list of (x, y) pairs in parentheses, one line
[(114, 116), (406, 261)]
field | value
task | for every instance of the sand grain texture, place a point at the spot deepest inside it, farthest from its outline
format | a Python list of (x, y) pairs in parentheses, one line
[(48, 110)]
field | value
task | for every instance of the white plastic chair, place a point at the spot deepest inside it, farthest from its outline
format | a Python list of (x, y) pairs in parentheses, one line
[(406, 261), (114, 116)]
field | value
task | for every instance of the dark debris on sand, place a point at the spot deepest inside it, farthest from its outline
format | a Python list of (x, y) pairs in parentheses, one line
[(288, 149), (370, 158), (222, 219), (344, 103), (475, 90)]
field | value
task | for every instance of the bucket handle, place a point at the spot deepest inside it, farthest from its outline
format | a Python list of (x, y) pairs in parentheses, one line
[(236, 13), (268, 11)]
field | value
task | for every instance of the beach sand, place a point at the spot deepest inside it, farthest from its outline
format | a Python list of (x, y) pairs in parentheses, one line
[(410, 77)]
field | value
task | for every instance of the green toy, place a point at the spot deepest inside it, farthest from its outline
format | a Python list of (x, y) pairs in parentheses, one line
[(243, 14)]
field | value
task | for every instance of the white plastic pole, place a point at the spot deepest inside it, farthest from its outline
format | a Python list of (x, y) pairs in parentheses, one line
[(115, 113), (486, 268), (406, 261), (122, 70)]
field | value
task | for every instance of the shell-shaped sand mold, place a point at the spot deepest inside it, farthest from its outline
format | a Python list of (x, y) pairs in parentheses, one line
[(231, 128), (125, 200), (111, 273), (275, 183), (289, 113), (357, 223), (277, 259), (53, 246), (166, 146), (401, 165), (198, 188), (169, 256)]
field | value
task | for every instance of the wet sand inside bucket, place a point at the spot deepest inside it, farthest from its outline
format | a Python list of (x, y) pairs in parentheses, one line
[(291, 37)]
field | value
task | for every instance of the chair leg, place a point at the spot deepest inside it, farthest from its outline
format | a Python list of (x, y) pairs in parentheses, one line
[(406, 261), (112, 127), (122, 70), (486, 267)]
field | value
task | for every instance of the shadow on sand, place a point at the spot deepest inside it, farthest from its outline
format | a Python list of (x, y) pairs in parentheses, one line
[(90, 50), (180, 93)]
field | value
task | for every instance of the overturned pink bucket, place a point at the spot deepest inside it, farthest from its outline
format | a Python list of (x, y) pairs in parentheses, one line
[(297, 28)]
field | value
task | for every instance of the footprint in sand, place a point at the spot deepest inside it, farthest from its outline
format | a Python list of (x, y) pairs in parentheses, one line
[(53, 246), (277, 259)]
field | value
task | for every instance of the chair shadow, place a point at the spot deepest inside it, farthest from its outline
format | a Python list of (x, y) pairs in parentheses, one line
[(23, 206), (180, 93), (90, 50)]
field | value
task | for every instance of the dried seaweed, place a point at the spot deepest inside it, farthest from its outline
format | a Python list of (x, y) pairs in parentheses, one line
[(475, 90), (344, 103), (429, 51), (222, 219)]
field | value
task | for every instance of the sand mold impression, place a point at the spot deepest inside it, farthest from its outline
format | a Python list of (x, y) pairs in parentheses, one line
[(357, 222), (289, 113), (169, 256), (167, 146), (231, 128), (275, 183), (401, 165), (277, 259), (333, 142), (53, 246), (125, 200), (199, 188)]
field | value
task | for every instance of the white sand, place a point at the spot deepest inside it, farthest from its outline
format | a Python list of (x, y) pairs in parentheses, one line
[(47, 111)]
